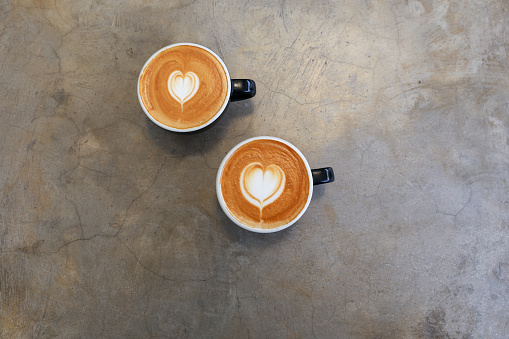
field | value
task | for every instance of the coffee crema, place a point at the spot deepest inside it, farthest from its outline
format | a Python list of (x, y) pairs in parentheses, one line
[(184, 86), (265, 184)]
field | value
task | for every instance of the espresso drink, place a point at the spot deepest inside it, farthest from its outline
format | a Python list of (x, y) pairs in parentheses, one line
[(265, 184), (184, 86)]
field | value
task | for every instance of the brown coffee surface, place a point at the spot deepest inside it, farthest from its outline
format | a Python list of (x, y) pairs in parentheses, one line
[(265, 184), (196, 93)]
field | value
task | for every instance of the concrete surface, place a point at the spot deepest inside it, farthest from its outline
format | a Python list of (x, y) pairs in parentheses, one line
[(110, 227)]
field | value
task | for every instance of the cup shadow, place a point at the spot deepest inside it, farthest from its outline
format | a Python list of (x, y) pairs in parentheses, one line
[(318, 192), (182, 143)]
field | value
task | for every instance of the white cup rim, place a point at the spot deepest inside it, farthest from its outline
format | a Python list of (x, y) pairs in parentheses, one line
[(208, 122), (220, 194)]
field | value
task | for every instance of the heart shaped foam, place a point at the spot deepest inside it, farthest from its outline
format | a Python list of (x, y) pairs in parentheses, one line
[(183, 87), (262, 187)]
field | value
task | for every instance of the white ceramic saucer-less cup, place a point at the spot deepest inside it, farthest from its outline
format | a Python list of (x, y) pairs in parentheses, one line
[(214, 118), (223, 204)]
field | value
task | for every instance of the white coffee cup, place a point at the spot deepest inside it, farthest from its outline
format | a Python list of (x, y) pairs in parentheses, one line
[(238, 89), (315, 177)]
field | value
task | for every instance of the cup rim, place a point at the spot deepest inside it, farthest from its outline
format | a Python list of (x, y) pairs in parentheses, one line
[(220, 194), (208, 122)]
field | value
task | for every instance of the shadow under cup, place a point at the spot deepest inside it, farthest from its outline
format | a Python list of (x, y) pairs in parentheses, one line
[(264, 184), (185, 87)]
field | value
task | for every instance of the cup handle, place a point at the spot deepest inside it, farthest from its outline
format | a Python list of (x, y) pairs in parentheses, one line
[(242, 89), (322, 175)]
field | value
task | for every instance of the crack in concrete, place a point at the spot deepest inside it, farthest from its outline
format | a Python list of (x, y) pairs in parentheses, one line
[(455, 215), (162, 276), (363, 151), (139, 195), (82, 239), (379, 184), (78, 214), (396, 23)]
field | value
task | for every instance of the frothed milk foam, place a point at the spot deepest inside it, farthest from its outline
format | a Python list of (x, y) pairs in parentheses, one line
[(265, 184), (184, 86)]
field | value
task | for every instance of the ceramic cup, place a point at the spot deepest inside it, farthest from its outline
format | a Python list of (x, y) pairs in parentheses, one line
[(185, 87), (265, 184)]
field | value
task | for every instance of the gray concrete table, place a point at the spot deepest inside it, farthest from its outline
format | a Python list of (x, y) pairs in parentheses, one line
[(110, 226)]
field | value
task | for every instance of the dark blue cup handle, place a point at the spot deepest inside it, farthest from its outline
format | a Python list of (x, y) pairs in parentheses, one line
[(322, 175)]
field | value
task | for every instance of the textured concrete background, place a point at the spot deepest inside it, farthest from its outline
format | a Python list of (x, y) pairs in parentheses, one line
[(110, 227)]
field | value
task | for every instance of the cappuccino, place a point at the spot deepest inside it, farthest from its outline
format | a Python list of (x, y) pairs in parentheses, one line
[(264, 183), (184, 87)]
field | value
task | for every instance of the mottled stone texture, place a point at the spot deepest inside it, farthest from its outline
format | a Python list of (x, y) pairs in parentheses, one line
[(110, 226)]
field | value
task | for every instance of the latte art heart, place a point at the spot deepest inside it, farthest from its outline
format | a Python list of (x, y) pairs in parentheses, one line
[(262, 187), (183, 87)]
